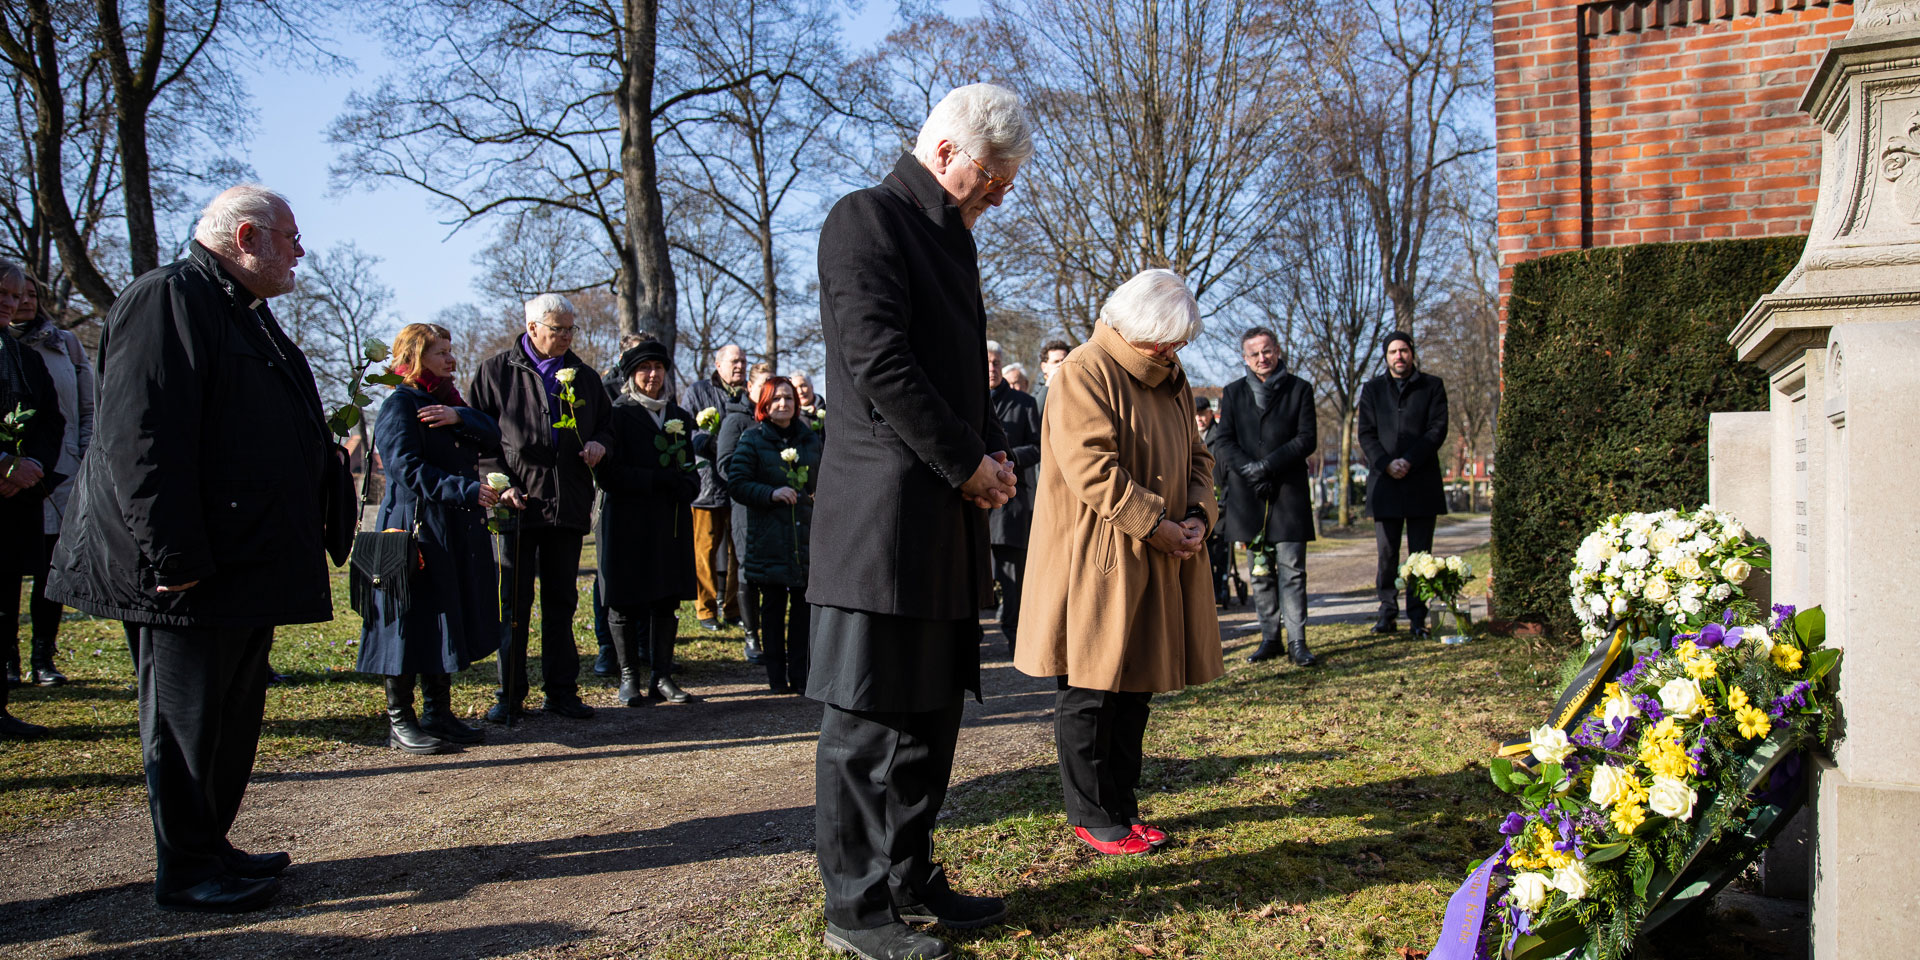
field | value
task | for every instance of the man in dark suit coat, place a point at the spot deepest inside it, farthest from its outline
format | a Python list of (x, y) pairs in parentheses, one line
[(1403, 421), (918, 460), (1007, 525), (1219, 548), (199, 519), (1267, 431)]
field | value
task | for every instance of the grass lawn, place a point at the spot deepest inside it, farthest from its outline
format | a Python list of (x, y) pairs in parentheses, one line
[(1315, 813), (93, 760)]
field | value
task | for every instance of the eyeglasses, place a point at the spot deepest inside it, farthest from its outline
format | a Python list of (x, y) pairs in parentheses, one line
[(566, 331), (994, 184), (293, 236)]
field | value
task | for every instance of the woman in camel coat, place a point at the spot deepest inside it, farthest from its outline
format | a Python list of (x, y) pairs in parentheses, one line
[(1119, 599)]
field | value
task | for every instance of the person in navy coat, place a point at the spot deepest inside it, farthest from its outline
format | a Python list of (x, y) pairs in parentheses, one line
[(1403, 424), (430, 443)]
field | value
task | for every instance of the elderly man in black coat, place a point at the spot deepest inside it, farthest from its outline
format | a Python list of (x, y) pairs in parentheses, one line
[(918, 460), (1266, 432), (199, 519), (1403, 422), (553, 413), (1007, 525), (26, 480)]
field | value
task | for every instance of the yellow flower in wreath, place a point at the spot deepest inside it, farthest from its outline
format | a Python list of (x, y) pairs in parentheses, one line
[(1786, 656), (1753, 722), (1628, 817)]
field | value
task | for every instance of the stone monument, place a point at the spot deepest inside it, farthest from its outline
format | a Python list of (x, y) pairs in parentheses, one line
[(1840, 342)]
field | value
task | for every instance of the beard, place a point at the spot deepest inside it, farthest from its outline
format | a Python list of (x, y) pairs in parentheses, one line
[(267, 276)]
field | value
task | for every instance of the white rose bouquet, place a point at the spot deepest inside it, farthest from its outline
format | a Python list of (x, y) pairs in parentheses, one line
[(1676, 778), (1663, 573), (1435, 579), (13, 432)]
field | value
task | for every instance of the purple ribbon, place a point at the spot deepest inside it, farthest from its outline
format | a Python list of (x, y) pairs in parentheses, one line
[(1466, 914)]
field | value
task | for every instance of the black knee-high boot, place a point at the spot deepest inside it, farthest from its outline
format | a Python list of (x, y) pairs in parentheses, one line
[(663, 630), (626, 628), (436, 711), (403, 728)]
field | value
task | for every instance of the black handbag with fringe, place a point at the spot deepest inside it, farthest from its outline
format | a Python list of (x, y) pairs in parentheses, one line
[(382, 561)]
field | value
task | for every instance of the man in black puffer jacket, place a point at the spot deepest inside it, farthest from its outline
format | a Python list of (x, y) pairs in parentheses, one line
[(553, 413), (200, 520)]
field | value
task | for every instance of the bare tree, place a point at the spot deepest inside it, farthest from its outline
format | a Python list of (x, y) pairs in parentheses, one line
[(718, 309), (1462, 339), (339, 304)]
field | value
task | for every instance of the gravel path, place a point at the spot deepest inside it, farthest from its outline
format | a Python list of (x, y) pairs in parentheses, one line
[(556, 830)]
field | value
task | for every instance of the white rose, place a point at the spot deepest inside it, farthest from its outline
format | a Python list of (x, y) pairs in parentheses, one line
[(1572, 880), (566, 374), (674, 427), (1456, 564), (1620, 604), (1638, 558), (499, 481), (790, 455), (1610, 785), (375, 349), (1620, 708), (1671, 798), (1550, 745), (1690, 568), (1736, 570), (1529, 891), (1429, 568), (1719, 592), (1657, 590), (1689, 605), (1663, 539), (1681, 697)]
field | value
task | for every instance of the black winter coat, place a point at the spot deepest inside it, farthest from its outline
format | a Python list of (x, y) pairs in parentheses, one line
[(645, 531), (209, 462), (1411, 427), (713, 477), (557, 483), (26, 384), (777, 533), (1019, 418), (905, 328), (433, 481), (1282, 436)]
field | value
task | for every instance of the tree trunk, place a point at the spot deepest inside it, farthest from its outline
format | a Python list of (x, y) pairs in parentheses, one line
[(769, 298), (136, 189), (1344, 475), (646, 218), (50, 194)]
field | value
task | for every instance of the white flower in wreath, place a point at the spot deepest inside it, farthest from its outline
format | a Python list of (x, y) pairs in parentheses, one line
[(1671, 798), (1549, 744), (1638, 558), (1657, 590), (675, 427), (1700, 544), (1572, 880), (1663, 539), (1719, 592), (566, 374), (1731, 530), (1530, 891), (1681, 697), (1620, 708), (790, 455), (1736, 570), (1690, 605), (1690, 568), (1620, 605), (1610, 785)]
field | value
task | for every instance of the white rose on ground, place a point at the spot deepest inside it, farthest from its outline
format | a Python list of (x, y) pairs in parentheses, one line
[(1572, 880), (1550, 744), (566, 374), (499, 481), (789, 454), (1671, 798), (1657, 590), (1610, 785), (1736, 570), (1529, 891), (1681, 697)]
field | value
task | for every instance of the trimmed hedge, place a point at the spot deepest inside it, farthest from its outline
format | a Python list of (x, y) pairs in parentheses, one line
[(1613, 359)]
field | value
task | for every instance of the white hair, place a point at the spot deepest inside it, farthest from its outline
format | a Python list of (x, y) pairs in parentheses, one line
[(993, 347), (546, 305), (246, 203), (985, 120), (798, 377), (1012, 368), (1153, 307)]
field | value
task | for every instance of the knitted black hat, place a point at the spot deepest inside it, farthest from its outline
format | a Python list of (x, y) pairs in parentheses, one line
[(1397, 335), (648, 350), (1201, 403)]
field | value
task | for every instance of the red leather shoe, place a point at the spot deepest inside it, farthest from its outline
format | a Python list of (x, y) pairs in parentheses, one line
[(1150, 834), (1130, 845)]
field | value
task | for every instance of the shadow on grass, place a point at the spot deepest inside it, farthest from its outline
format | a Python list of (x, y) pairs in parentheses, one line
[(124, 914)]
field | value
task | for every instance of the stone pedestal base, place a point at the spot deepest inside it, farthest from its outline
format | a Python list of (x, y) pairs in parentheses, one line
[(1866, 896)]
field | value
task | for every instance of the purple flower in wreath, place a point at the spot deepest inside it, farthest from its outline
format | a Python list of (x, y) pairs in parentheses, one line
[(1796, 696), (1618, 734), (1727, 618), (1649, 708), (1632, 676), (1782, 613), (1589, 732), (1711, 635), (1513, 824)]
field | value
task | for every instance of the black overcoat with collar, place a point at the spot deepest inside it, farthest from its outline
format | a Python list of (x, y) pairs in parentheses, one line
[(21, 518), (1019, 418), (542, 461), (905, 328), (1282, 436), (1405, 425), (210, 463)]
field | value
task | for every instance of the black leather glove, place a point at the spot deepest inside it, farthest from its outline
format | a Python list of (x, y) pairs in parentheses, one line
[(1253, 471), (1265, 490)]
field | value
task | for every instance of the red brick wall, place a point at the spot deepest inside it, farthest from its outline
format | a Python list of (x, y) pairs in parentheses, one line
[(1639, 121)]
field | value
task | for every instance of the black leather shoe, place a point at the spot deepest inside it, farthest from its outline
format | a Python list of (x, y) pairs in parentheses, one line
[(503, 714), (1266, 651), (956, 910), (571, 709), (14, 728), (48, 677), (603, 666), (1301, 656), (256, 866), (895, 941), (1421, 632), (667, 690), (223, 894), (712, 625), (1383, 626)]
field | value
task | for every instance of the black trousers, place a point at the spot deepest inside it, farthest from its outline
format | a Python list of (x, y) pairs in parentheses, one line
[(203, 691), (1010, 572), (783, 618), (554, 557), (879, 780), (1386, 539), (646, 633), (1098, 734), (44, 613), (1220, 557)]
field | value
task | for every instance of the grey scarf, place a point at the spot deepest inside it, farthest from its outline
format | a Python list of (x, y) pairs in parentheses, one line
[(1263, 392)]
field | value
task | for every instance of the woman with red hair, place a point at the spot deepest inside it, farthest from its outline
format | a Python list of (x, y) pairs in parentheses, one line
[(772, 474)]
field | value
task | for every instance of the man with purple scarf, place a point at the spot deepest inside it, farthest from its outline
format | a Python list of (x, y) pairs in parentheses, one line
[(553, 414)]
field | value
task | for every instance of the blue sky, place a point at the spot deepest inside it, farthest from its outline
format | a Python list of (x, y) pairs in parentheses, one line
[(427, 265)]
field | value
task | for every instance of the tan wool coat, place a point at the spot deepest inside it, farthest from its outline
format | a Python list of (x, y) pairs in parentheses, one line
[(1100, 605)]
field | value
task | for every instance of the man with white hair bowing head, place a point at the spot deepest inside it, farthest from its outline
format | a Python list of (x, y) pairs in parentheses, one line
[(918, 460), (199, 520)]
